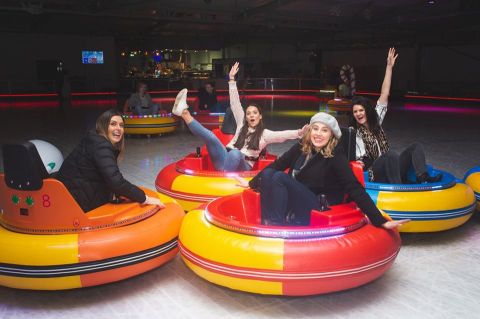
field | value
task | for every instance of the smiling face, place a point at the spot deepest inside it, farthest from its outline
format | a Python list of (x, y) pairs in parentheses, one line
[(115, 129), (320, 134), (253, 116), (359, 114)]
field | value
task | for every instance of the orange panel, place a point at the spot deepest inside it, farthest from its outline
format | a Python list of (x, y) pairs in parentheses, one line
[(117, 274), (151, 232)]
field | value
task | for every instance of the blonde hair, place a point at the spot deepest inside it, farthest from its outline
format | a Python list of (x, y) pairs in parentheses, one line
[(308, 147)]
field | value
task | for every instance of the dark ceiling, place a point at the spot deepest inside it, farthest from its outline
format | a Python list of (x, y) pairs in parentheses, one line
[(209, 24)]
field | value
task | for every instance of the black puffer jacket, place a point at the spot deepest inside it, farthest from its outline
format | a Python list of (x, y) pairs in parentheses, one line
[(330, 176), (91, 174)]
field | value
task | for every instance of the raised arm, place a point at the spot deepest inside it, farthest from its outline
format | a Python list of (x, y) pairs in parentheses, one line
[(235, 104), (282, 136), (387, 80)]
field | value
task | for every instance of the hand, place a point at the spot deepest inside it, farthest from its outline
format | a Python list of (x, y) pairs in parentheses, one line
[(303, 130), (153, 201), (395, 223), (242, 182), (233, 71), (361, 163), (391, 57)]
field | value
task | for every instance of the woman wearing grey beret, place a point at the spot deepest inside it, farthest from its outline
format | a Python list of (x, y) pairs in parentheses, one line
[(316, 167)]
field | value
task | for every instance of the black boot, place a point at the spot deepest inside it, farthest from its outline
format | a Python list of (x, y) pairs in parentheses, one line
[(425, 178)]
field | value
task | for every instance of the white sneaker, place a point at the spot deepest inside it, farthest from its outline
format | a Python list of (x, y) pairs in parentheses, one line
[(180, 103)]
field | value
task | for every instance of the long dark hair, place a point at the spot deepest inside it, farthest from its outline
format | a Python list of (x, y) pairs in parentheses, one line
[(371, 113), (254, 138), (102, 124)]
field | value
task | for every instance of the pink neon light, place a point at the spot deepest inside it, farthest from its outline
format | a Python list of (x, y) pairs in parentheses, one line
[(368, 93), (441, 109), (93, 93), (77, 103), (56, 95), (246, 90), (29, 95), (443, 98), (29, 105)]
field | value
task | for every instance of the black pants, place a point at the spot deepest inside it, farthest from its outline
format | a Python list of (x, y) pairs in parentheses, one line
[(281, 194), (392, 168)]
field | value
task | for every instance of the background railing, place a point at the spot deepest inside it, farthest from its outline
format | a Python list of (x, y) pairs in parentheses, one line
[(128, 85), (266, 84)]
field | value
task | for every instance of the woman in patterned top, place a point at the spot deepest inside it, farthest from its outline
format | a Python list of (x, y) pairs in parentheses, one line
[(373, 150)]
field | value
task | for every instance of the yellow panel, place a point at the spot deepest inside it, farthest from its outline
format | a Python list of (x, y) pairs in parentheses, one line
[(41, 283), (150, 120), (150, 130), (37, 250), (201, 185), (473, 181), (186, 204), (255, 286), (455, 197), (189, 205), (165, 198), (219, 245), (434, 225)]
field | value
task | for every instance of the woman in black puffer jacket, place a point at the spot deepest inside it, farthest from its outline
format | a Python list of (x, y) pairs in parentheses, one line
[(91, 172), (315, 166)]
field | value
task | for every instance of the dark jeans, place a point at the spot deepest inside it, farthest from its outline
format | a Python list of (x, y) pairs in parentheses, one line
[(281, 194), (392, 168)]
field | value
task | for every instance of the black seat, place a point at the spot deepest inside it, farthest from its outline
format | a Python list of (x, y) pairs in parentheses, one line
[(23, 167), (229, 126), (348, 142)]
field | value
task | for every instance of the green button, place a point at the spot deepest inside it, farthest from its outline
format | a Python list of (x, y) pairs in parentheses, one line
[(29, 201), (15, 199)]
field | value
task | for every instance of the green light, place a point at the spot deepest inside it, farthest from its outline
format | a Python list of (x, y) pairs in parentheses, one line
[(29, 201), (15, 199)]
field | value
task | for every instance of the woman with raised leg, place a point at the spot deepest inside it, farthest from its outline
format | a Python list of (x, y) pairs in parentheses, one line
[(250, 138)]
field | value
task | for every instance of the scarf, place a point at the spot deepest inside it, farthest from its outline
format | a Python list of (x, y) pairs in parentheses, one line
[(376, 144)]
